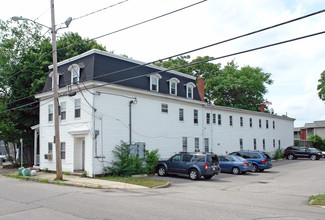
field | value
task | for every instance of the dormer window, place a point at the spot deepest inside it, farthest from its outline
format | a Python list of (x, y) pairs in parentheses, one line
[(173, 86), (75, 73), (190, 90), (57, 80), (154, 82)]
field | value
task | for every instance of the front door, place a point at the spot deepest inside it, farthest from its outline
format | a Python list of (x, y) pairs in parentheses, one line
[(79, 154)]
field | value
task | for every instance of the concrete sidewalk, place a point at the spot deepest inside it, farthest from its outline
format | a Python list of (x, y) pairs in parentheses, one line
[(72, 180)]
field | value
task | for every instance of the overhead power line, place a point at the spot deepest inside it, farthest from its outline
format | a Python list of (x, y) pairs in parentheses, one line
[(180, 54), (102, 9), (192, 64)]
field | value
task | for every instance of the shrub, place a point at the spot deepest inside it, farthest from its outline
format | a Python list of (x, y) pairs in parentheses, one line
[(151, 161), (279, 153), (127, 164)]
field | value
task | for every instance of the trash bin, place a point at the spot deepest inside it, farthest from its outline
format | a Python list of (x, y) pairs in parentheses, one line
[(26, 172), (20, 171)]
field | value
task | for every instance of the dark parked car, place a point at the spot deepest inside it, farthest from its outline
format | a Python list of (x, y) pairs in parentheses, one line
[(294, 152), (260, 160), (194, 165), (234, 164)]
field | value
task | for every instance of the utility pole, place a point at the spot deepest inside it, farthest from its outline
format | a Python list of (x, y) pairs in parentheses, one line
[(56, 97)]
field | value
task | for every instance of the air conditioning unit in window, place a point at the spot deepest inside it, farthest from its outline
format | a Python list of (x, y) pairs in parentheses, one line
[(48, 156)]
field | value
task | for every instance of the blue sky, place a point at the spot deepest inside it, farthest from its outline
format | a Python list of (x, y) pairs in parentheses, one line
[(295, 67)]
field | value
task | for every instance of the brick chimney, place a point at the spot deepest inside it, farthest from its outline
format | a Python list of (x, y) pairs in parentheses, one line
[(262, 107), (200, 87)]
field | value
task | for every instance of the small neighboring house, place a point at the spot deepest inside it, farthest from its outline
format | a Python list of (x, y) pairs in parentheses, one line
[(313, 128), (146, 105)]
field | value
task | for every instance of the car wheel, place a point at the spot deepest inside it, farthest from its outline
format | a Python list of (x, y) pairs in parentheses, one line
[(162, 171), (313, 157), (194, 175), (255, 168), (291, 157), (235, 170), (208, 177)]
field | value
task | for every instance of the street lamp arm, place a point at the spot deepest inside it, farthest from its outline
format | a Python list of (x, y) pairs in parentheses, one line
[(17, 18)]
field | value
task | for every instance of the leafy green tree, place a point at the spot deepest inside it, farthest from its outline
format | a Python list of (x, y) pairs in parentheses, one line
[(231, 86), (25, 55), (317, 141), (321, 86)]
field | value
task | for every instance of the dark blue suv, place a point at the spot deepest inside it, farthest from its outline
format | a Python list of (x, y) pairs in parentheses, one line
[(260, 160), (194, 165)]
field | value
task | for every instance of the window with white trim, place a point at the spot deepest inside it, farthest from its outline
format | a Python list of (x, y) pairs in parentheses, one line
[(164, 108), (214, 118), (63, 110), (267, 124), (184, 144), (154, 82), (250, 122), (260, 123), (173, 86), (57, 79), (273, 124), (206, 144), (190, 90), (230, 120), (50, 148), (197, 144), (196, 116), (181, 114), (255, 144), (219, 119), (273, 143), (77, 108), (75, 73), (208, 118), (263, 143), (50, 112), (241, 144), (62, 150), (241, 122)]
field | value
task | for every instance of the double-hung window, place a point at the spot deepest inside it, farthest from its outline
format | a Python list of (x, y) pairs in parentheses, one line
[(250, 122), (267, 124), (230, 120), (164, 108), (255, 144), (173, 86), (241, 122), (219, 119), (197, 144), (208, 118), (63, 110), (50, 148), (75, 73), (214, 118), (50, 112), (181, 114), (241, 144), (190, 90), (77, 108), (196, 116), (62, 150), (154, 82), (263, 144), (184, 144), (206, 144)]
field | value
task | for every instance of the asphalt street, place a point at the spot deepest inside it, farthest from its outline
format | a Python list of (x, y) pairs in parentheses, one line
[(280, 193)]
